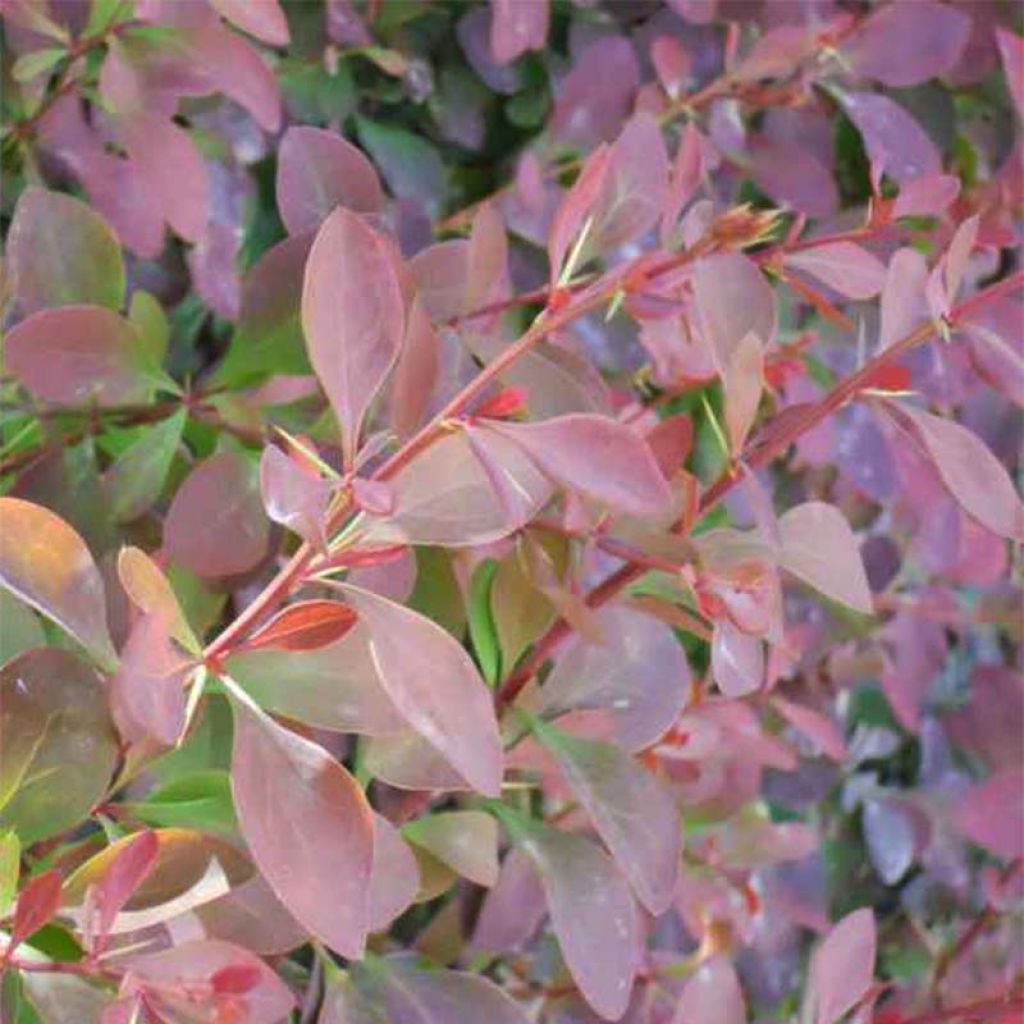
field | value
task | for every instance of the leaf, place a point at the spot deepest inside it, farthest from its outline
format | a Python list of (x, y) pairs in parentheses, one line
[(198, 800), (295, 497), (843, 266), (574, 209), (334, 687), (896, 144), (597, 457), (62, 253), (303, 626), (879, 50), (396, 876), (592, 911), (263, 19), (1011, 52), (416, 372), (147, 693), (318, 170), (712, 995), (990, 813), (352, 316), (151, 322), (151, 592), (818, 545), (732, 299), (903, 305), (216, 525), (467, 841), (134, 481), (640, 676), (57, 743), (45, 563), (974, 476), (516, 28), (842, 967), (31, 65), (820, 729), (737, 660), (410, 164), (20, 628), (308, 825), (743, 382), (633, 812), (482, 632), (80, 356), (435, 687), (10, 868)]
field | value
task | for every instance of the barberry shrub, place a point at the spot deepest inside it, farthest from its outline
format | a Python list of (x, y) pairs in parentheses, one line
[(508, 512)]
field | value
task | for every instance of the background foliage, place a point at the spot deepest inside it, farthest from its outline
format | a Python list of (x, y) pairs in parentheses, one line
[(510, 511)]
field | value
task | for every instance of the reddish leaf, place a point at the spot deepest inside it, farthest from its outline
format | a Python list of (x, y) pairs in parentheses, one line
[(575, 208), (308, 825), (37, 904), (732, 299), (844, 266), (842, 968), (263, 19), (216, 525), (318, 170), (597, 457), (151, 592), (352, 314), (513, 908), (991, 814), (45, 563), (516, 28), (80, 356), (236, 979), (879, 48), (128, 869), (396, 875), (743, 382), (62, 253), (416, 372), (304, 626), (818, 545), (486, 258), (927, 196), (435, 686), (294, 497)]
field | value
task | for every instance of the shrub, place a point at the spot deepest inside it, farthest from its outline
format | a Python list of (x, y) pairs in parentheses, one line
[(507, 512)]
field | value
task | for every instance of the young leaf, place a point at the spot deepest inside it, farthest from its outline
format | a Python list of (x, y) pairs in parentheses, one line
[(353, 318), (318, 170), (106, 899), (308, 825), (303, 626), (37, 904), (633, 812), (45, 563), (80, 356), (216, 525), (62, 253), (903, 305), (58, 743), (435, 687), (597, 457), (842, 967), (294, 497), (151, 592), (818, 545)]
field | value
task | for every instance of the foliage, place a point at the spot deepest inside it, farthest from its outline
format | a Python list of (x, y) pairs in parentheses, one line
[(508, 512)]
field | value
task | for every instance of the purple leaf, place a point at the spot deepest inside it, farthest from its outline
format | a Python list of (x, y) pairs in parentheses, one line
[(633, 812), (793, 175), (991, 814), (903, 305), (712, 995), (318, 170), (896, 144), (353, 317), (516, 28), (842, 967), (434, 685), (1011, 51), (843, 266), (127, 870), (396, 876), (597, 457), (308, 825), (216, 525), (293, 496), (45, 563), (818, 545), (879, 48), (732, 299), (513, 909), (927, 196), (62, 253), (416, 372), (263, 19), (80, 356)]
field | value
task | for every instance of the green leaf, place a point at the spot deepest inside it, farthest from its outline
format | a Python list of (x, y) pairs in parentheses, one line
[(29, 65), (153, 326), (200, 800), (410, 165), (481, 621), (20, 630), (134, 481), (10, 855), (103, 13)]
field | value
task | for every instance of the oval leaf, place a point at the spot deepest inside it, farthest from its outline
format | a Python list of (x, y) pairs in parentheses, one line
[(842, 967)]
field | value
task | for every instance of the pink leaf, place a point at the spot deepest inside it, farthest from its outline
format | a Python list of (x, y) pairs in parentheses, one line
[(927, 196), (303, 626), (435, 686), (294, 497), (80, 356), (46, 564), (688, 169), (396, 875), (712, 995), (822, 731), (37, 904), (486, 257), (513, 909), (308, 825), (991, 814), (844, 266), (842, 968), (263, 19), (216, 525), (743, 382), (945, 279), (596, 457), (818, 545), (318, 170), (147, 692), (516, 28), (575, 208), (903, 305), (896, 144), (416, 372), (62, 253), (128, 869), (974, 476), (353, 318), (1011, 50), (737, 660), (879, 48), (633, 813), (732, 300)]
